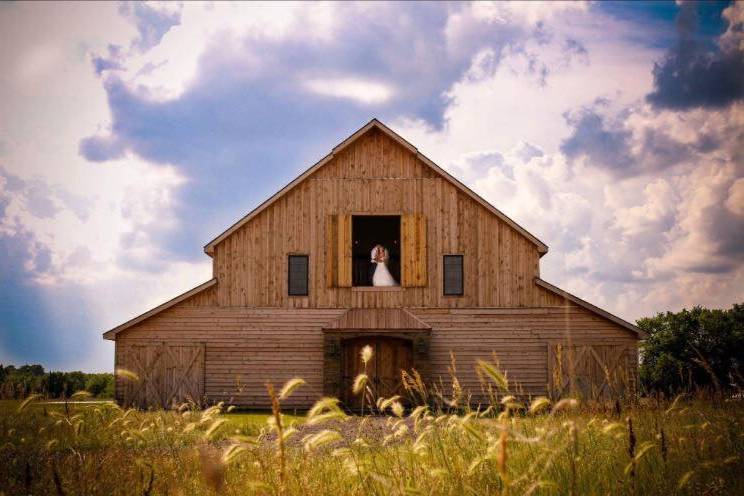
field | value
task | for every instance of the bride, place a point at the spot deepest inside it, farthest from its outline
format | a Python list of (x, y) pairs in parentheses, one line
[(382, 276)]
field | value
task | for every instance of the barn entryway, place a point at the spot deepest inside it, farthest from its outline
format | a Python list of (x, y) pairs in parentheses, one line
[(163, 375), (399, 341), (390, 357), (593, 372)]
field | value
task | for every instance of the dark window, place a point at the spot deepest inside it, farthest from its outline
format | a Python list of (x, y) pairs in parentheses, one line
[(298, 272), (367, 231), (453, 275)]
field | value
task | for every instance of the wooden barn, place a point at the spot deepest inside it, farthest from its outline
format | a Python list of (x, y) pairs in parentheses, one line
[(292, 296)]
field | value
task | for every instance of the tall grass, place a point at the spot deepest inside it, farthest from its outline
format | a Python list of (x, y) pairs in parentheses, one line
[(507, 447)]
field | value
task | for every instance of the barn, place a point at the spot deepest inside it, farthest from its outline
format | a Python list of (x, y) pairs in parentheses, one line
[(292, 295)]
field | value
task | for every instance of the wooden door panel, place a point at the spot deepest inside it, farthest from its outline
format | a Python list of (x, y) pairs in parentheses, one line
[(390, 356), (394, 355), (167, 375), (591, 372)]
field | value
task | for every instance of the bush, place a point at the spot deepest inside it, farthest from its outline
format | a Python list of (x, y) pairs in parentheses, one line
[(691, 349)]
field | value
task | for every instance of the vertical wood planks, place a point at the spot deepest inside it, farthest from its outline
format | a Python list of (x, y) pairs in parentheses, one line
[(344, 250), (414, 249), (372, 176)]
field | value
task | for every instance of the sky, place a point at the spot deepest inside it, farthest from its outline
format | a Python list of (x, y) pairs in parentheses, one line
[(131, 134)]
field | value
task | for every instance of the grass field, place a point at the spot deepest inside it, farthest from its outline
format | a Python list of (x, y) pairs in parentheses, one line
[(683, 447)]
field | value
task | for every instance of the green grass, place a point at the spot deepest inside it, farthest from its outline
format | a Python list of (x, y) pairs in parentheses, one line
[(682, 448)]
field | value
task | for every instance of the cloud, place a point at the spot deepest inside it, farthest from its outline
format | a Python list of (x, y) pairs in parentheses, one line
[(634, 201), (241, 108), (604, 144), (354, 89), (166, 122), (152, 22), (735, 200), (691, 75)]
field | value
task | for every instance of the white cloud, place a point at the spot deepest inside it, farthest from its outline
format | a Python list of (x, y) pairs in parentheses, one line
[(647, 242), (166, 71), (74, 213), (367, 92)]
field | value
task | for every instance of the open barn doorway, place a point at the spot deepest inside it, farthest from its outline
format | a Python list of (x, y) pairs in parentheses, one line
[(367, 232)]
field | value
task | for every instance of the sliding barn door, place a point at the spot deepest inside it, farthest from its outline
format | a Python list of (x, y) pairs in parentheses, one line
[(164, 375), (338, 251), (413, 250), (591, 372)]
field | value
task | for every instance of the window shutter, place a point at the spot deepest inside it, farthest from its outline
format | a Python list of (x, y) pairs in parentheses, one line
[(331, 251), (413, 250), (344, 250), (338, 251), (298, 275), (453, 275)]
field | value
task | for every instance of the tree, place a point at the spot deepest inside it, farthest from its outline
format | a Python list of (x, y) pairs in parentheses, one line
[(698, 348), (100, 385)]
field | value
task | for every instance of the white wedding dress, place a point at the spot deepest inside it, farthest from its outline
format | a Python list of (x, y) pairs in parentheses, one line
[(382, 276)]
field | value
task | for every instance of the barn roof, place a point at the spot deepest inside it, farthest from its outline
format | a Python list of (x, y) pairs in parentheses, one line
[(374, 123), (592, 308), (376, 319), (111, 334)]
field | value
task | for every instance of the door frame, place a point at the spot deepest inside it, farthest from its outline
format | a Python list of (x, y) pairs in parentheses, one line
[(420, 340)]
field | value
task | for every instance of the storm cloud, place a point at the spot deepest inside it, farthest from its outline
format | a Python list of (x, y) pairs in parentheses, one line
[(694, 74)]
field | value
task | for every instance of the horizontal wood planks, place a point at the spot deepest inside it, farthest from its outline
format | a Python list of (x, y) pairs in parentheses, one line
[(517, 339), (377, 318), (246, 347), (376, 175)]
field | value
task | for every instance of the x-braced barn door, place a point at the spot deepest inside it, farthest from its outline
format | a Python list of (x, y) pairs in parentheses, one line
[(591, 372), (164, 375)]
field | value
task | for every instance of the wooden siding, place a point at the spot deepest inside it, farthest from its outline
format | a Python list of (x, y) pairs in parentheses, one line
[(517, 338), (246, 347), (413, 244), (375, 175), (385, 319)]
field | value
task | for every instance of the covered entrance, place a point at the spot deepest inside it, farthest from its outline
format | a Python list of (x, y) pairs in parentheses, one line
[(399, 341), (390, 356)]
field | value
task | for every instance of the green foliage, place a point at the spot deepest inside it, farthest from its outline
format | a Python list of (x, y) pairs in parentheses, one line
[(692, 349), (20, 382)]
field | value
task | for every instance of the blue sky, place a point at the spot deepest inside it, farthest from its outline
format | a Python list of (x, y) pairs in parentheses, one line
[(132, 134)]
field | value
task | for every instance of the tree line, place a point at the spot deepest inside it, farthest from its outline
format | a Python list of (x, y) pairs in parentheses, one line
[(19, 382)]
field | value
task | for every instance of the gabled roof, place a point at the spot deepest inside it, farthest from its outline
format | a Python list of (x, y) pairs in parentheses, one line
[(377, 319), (374, 123), (592, 308), (165, 306)]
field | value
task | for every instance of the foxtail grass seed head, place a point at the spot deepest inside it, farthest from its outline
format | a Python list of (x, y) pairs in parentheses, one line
[(565, 404), (325, 437), (539, 405), (127, 374), (289, 387), (397, 409), (366, 354), (493, 373), (27, 402), (359, 383)]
